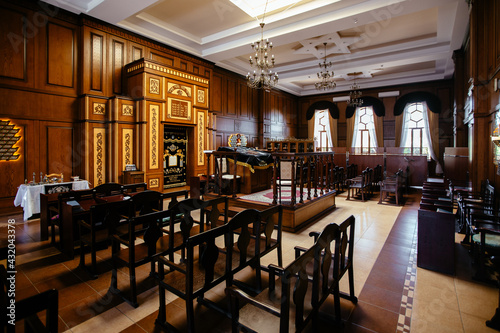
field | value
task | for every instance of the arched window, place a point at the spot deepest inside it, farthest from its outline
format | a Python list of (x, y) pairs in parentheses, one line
[(322, 130), (415, 135), (364, 138)]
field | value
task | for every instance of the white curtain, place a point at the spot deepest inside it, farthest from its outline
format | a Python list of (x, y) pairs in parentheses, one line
[(322, 118), (370, 128), (427, 139), (439, 168)]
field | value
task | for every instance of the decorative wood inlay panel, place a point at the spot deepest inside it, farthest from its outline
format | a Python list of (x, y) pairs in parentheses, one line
[(154, 86), (201, 137), (200, 96), (154, 130), (8, 141), (60, 55), (99, 108), (128, 147), (12, 33), (127, 110), (154, 182), (180, 90), (179, 109), (96, 62), (99, 156), (118, 63), (169, 71)]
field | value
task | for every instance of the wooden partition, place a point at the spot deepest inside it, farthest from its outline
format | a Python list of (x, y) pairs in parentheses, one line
[(456, 165)]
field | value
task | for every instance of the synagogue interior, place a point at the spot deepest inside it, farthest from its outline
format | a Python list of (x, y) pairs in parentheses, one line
[(150, 184)]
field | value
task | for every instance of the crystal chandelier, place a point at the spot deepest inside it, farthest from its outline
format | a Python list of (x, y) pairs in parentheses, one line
[(325, 75), (355, 96), (262, 77)]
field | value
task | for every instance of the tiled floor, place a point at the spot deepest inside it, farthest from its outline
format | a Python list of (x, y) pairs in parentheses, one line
[(394, 295)]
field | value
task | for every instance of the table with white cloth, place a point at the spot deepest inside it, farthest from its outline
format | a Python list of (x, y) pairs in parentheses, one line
[(28, 196)]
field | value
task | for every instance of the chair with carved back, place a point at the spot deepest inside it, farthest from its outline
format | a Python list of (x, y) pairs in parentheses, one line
[(392, 185), (26, 311), (146, 202), (257, 240), (144, 240), (106, 219), (209, 262), (293, 301), (108, 189), (133, 188), (359, 185)]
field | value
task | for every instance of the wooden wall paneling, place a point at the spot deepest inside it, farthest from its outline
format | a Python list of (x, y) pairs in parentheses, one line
[(57, 149), (17, 66), (495, 32), (126, 148), (231, 98), (97, 158), (219, 142), (253, 98), (279, 109), (154, 86), (135, 51), (31, 105), (163, 58), (216, 92), (117, 60), (94, 61), (57, 67), (244, 104)]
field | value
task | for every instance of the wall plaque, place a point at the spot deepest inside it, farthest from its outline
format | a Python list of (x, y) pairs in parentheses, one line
[(179, 109)]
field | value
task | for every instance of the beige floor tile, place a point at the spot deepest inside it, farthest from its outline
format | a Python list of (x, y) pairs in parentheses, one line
[(432, 298), (473, 324), (435, 313), (424, 326)]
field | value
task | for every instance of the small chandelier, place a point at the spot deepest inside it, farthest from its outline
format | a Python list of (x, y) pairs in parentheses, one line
[(262, 77), (355, 96), (325, 75)]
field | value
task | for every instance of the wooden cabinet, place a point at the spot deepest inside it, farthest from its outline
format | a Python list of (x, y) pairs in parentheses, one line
[(291, 146), (133, 177)]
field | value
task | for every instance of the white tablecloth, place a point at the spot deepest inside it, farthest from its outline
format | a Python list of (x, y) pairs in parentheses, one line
[(28, 196)]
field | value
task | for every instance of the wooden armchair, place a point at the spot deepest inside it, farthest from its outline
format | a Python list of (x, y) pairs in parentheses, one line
[(392, 185), (360, 184), (27, 309), (485, 244), (294, 300)]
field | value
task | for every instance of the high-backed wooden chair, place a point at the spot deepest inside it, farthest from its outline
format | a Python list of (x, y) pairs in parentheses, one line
[(105, 220), (360, 185), (146, 202), (144, 240), (392, 185), (108, 189), (132, 188), (209, 262), (294, 300)]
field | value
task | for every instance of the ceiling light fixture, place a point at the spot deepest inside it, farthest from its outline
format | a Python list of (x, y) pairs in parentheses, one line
[(355, 95), (325, 75), (262, 77)]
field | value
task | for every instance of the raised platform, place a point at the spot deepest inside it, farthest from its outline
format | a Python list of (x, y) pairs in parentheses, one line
[(294, 218)]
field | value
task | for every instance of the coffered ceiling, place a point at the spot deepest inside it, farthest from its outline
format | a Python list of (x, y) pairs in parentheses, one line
[(384, 42)]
